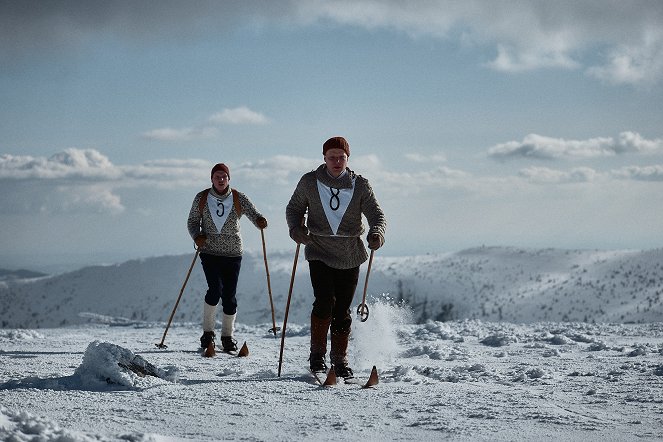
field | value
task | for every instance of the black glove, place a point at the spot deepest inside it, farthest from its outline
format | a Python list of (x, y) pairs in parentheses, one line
[(300, 235), (262, 223), (200, 240), (375, 241)]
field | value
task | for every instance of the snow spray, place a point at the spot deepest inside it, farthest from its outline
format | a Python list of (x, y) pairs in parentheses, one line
[(376, 341)]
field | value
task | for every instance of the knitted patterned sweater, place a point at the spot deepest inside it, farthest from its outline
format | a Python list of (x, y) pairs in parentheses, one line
[(227, 242), (345, 249)]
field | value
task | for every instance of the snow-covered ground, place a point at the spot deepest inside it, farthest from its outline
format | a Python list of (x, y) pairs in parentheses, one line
[(542, 345), (463, 380)]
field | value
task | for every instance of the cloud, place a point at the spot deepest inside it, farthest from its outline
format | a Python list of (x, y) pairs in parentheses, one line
[(527, 35), (544, 175), (638, 64), (420, 158), (87, 164), (276, 170), (86, 180), (640, 173), (624, 39), (238, 115), (84, 198), (633, 142), (511, 59), (184, 134), (547, 148)]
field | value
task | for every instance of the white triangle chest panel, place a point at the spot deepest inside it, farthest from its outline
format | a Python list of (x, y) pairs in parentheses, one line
[(219, 209), (335, 202)]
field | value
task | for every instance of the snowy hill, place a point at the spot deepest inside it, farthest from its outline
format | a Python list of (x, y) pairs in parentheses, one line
[(487, 283)]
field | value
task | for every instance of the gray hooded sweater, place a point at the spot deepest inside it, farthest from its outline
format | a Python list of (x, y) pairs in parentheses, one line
[(345, 249)]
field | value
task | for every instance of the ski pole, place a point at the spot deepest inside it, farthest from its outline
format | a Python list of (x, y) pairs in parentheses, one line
[(287, 307), (161, 344), (269, 285), (362, 309)]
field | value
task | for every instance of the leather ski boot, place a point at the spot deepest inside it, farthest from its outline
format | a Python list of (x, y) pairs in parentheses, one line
[(206, 339), (339, 354), (229, 344), (319, 328)]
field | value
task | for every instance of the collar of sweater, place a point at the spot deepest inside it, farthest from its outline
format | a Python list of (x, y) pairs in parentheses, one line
[(216, 194), (344, 181)]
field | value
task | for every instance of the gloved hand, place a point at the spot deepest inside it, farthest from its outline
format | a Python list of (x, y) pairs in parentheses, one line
[(300, 235), (200, 240), (375, 241), (261, 222)]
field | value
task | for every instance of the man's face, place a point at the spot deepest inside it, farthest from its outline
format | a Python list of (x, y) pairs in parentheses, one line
[(220, 179), (336, 161)]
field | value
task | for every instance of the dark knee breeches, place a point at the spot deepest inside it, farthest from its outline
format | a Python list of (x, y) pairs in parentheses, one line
[(334, 290), (221, 273)]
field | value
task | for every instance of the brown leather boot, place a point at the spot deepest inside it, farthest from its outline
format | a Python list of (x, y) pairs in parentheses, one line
[(339, 354), (319, 328)]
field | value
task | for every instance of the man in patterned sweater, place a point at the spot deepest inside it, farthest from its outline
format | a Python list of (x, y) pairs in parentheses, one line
[(335, 198), (213, 224)]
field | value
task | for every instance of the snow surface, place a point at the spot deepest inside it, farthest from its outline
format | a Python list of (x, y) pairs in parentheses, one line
[(461, 380), (78, 360)]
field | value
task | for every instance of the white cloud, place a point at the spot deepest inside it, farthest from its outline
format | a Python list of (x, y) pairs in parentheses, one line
[(511, 59), (276, 170), (544, 175), (238, 115), (421, 158), (70, 163), (526, 35), (623, 37), (640, 173), (637, 64), (184, 134), (634, 142), (85, 198), (542, 147), (86, 180)]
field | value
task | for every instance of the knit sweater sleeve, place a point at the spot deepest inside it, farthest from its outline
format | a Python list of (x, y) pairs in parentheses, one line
[(193, 222), (249, 209), (377, 223), (299, 202)]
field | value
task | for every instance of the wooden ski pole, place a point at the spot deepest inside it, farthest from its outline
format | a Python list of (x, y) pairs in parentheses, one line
[(269, 285), (362, 309), (161, 344), (287, 307)]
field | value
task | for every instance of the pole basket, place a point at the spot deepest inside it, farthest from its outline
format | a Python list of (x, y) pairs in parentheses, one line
[(362, 312)]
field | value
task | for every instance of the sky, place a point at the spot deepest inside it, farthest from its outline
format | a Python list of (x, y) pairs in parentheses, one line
[(520, 123)]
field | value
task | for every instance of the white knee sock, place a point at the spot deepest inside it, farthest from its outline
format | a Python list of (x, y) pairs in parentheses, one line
[(228, 325), (209, 317)]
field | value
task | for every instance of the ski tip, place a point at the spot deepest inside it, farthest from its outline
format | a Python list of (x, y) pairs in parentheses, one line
[(373, 379), (331, 378), (244, 351), (209, 351)]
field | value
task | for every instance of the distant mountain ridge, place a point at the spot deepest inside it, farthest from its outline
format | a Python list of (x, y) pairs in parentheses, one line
[(488, 283), (19, 274)]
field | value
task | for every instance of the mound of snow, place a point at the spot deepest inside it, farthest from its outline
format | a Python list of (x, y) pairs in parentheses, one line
[(107, 364)]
